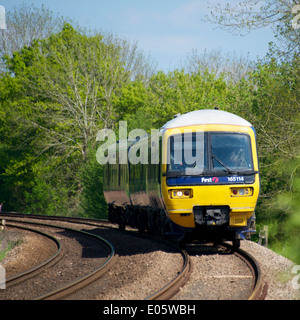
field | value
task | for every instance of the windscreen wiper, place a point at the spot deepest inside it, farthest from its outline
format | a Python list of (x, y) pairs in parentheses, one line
[(221, 163)]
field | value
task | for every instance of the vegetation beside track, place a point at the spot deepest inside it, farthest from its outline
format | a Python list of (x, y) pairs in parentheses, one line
[(59, 88), (6, 246)]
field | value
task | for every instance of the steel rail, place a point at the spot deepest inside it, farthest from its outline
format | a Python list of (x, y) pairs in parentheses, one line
[(257, 279), (170, 289), (22, 276), (82, 281), (79, 220), (257, 291)]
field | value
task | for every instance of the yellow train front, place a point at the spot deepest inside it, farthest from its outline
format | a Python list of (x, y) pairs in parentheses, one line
[(204, 186)]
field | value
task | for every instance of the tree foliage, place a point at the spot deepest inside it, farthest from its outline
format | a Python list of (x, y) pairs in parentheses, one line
[(58, 93), (231, 67), (165, 95), (25, 24), (60, 88), (240, 17)]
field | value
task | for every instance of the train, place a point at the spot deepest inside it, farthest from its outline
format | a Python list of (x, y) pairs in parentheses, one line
[(196, 178)]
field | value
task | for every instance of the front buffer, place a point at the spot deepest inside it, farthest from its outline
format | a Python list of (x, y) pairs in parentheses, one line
[(214, 209)]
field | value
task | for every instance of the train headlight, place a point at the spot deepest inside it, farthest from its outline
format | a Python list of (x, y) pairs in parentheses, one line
[(180, 194), (241, 192)]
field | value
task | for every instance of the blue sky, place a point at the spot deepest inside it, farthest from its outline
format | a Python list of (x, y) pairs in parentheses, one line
[(167, 30)]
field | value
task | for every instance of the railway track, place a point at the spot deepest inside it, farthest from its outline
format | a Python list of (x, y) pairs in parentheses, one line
[(255, 290), (172, 287), (29, 273), (257, 280), (39, 277), (223, 273), (169, 290)]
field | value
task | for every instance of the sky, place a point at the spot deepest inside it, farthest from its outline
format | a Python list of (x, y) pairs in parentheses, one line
[(166, 30)]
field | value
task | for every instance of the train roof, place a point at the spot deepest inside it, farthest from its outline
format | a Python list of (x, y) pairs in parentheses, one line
[(201, 117)]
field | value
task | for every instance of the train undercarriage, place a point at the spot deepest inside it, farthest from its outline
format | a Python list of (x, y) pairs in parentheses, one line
[(211, 224)]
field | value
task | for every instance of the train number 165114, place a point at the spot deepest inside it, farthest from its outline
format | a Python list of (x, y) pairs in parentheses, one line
[(235, 179)]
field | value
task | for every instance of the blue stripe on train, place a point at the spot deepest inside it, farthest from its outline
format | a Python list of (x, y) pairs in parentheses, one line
[(200, 180)]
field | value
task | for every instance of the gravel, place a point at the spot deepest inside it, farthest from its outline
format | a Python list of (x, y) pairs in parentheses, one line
[(144, 266), (277, 272), (81, 256), (217, 275), (27, 250)]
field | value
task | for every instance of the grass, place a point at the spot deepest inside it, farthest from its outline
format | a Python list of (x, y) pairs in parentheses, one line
[(10, 245)]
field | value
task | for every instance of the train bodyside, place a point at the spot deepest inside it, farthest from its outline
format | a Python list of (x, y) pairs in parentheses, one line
[(133, 190)]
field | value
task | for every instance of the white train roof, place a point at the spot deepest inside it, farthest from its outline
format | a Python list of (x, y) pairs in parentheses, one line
[(200, 117)]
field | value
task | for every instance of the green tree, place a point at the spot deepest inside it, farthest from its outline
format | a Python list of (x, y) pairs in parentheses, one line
[(92, 199), (71, 80), (64, 88), (151, 104), (289, 202), (269, 99)]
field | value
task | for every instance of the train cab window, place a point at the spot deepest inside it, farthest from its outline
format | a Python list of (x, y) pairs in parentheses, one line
[(187, 153), (231, 151), (217, 152)]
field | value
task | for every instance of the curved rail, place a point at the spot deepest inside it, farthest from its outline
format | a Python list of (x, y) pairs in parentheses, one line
[(169, 290), (79, 220), (83, 281), (256, 272), (13, 280), (257, 291), (257, 279), (80, 283)]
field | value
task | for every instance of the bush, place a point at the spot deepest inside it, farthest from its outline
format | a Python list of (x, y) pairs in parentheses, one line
[(92, 198)]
